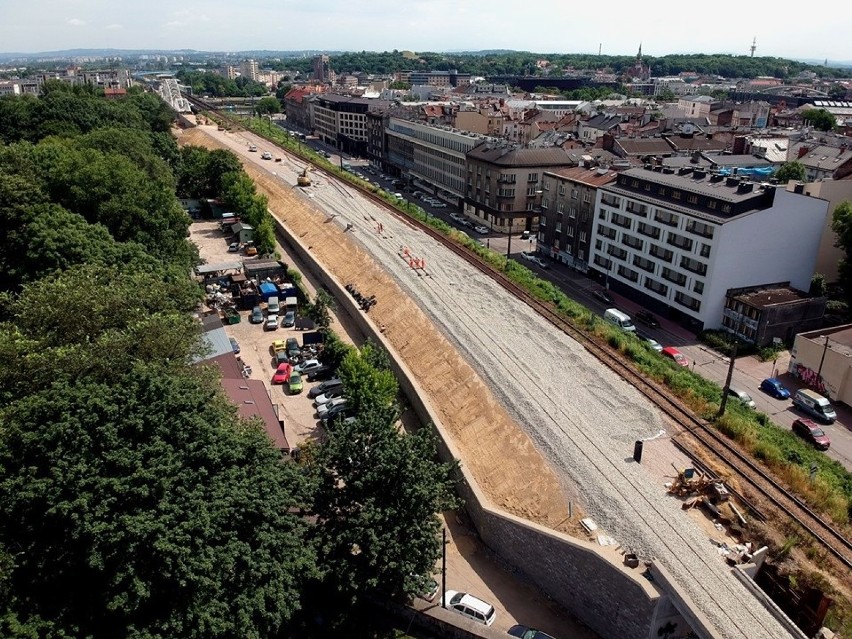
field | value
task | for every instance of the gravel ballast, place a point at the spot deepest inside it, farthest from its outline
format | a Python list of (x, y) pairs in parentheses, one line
[(583, 417)]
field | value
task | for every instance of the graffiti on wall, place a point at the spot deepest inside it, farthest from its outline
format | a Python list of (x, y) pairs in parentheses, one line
[(810, 378)]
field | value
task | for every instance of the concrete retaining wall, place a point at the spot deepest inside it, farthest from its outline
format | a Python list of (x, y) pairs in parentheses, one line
[(612, 600)]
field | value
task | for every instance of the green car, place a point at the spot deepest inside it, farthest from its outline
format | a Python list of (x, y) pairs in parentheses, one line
[(295, 383)]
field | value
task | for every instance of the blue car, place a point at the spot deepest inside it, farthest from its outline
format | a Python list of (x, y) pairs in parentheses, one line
[(773, 387)]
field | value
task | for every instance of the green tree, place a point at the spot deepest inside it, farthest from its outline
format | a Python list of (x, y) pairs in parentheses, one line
[(378, 494), (791, 171), (267, 106), (144, 507), (264, 236), (320, 310), (819, 286), (841, 224), (366, 387), (820, 119)]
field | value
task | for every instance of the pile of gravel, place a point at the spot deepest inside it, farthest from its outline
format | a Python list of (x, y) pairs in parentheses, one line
[(584, 418)]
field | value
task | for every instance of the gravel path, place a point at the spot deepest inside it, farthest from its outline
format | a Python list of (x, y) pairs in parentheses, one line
[(581, 415)]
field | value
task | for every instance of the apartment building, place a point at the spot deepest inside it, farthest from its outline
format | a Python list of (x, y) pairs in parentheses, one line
[(568, 211), (677, 241), (503, 189), (322, 69), (248, 69), (432, 156), (341, 121), (698, 106)]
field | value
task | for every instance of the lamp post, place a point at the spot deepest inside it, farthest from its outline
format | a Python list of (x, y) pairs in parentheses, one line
[(822, 359)]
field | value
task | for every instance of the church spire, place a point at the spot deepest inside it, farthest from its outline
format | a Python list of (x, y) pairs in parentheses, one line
[(639, 55)]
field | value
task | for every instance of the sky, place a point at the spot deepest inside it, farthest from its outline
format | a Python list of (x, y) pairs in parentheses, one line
[(616, 27)]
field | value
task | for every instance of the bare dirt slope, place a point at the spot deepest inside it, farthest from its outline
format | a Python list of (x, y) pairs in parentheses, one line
[(500, 455)]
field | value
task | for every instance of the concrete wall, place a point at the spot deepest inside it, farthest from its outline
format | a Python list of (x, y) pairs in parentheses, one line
[(609, 598)]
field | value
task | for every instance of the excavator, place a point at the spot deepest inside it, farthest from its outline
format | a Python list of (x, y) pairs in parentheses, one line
[(304, 179)]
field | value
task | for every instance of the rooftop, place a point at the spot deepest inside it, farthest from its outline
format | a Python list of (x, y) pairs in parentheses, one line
[(769, 296), (592, 177), (510, 155)]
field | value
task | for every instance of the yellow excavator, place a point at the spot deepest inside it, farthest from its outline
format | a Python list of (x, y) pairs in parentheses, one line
[(304, 179)]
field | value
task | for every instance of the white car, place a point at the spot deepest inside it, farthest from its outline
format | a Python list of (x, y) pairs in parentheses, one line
[(471, 607), (266, 155), (535, 259), (252, 148), (439, 205), (325, 398), (308, 365), (271, 323), (482, 230), (322, 409), (455, 216)]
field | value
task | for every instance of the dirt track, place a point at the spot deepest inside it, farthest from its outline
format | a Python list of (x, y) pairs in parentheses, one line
[(495, 450)]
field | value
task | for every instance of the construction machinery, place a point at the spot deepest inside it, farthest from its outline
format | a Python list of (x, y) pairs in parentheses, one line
[(304, 179)]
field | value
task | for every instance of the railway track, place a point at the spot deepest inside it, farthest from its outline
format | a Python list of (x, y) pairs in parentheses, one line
[(724, 452)]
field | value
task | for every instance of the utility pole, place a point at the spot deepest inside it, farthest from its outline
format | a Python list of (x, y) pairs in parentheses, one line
[(725, 390), (444, 568), (822, 359)]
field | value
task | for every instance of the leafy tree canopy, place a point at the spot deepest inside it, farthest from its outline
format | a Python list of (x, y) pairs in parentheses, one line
[(791, 171), (820, 119), (841, 224)]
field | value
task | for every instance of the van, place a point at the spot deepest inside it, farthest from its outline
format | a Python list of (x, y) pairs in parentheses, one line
[(272, 306), (814, 404), (622, 320)]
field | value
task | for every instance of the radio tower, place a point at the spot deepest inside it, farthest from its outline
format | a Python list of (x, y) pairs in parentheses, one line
[(753, 46)]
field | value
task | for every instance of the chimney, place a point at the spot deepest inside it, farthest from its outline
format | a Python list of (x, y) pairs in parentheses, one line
[(745, 187), (732, 181), (803, 151)]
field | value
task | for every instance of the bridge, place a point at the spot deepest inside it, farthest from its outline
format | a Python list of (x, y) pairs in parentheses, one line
[(170, 92)]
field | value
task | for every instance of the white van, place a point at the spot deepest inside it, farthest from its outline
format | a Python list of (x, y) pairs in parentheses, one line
[(272, 306), (622, 320), (814, 404)]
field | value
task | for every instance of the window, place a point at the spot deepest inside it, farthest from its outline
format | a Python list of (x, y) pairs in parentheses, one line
[(693, 265), (643, 263), (712, 204), (632, 242), (661, 253), (673, 276), (679, 241), (572, 212), (705, 250), (726, 208), (583, 236), (634, 183), (620, 220), (699, 228), (637, 209), (685, 300), (698, 287), (573, 194), (533, 177), (676, 195), (692, 199), (658, 287), (647, 187), (662, 190), (628, 273), (610, 200), (607, 232), (650, 231), (664, 217), (617, 252), (587, 197)]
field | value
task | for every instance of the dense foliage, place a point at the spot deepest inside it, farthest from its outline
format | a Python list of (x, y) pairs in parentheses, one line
[(134, 501), (219, 86), (524, 63)]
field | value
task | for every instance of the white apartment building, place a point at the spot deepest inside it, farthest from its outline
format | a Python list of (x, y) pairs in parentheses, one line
[(342, 121), (433, 154), (678, 241)]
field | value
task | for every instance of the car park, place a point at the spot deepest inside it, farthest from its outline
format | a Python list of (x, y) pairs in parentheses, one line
[(482, 230), (773, 387), (271, 323), (235, 345), (672, 353), (471, 607), (525, 632), (647, 318), (282, 374), (295, 382), (328, 385), (603, 295), (812, 433), (256, 315)]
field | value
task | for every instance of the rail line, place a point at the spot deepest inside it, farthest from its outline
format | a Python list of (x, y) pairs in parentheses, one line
[(725, 453)]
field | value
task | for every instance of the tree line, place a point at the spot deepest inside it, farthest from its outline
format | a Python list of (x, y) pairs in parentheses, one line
[(134, 500)]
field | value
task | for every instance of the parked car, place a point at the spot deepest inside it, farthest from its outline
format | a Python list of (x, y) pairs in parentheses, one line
[(328, 395), (535, 259), (603, 295), (482, 230), (234, 247), (308, 365), (256, 315), (328, 385), (282, 374), (322, 409), (773, 387), (271, 323), (341, 411), (672, 353), (429, 588), (281, 357), (647, 318), (320, 374), (525, 632), (439, 205), (289, 319), (296, 384), (235, 345), (471, 607), (742, 396), (812, 432), (293, 348), (279, 345), (650, 341), (456, 217)]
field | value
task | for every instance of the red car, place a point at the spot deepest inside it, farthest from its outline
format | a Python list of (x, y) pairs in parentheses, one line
[(812, 432), (672, 353), (282, 373)]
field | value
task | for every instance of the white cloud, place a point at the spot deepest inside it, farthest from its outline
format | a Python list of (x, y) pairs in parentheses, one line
[(174, 24), (76, 22), (114, 26)]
